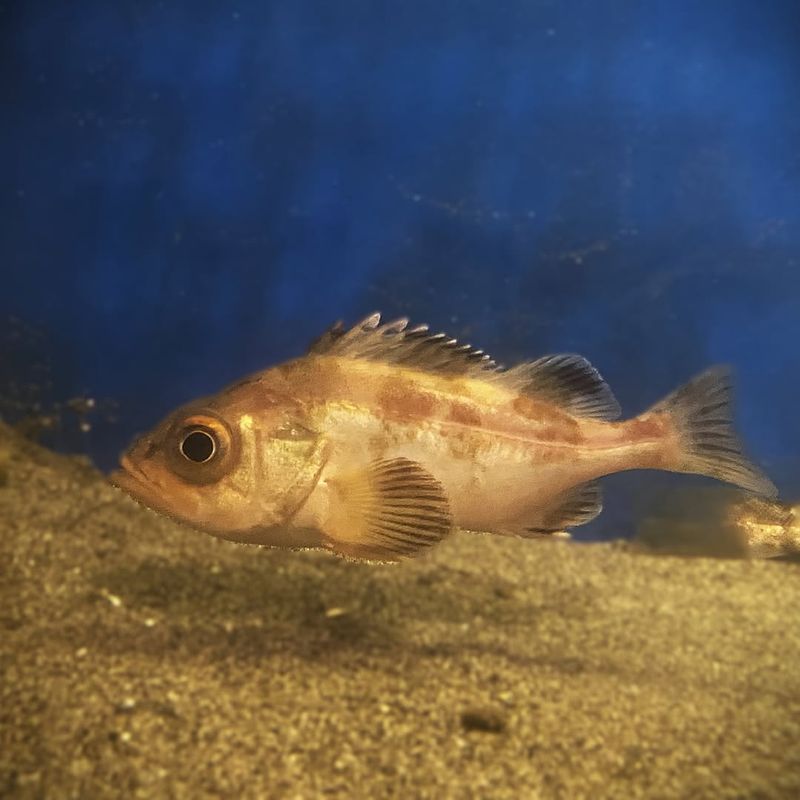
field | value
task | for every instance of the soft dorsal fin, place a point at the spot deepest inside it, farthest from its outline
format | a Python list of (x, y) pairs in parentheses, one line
[(579, 505), (568, 381), (386, 511), (396, 343)]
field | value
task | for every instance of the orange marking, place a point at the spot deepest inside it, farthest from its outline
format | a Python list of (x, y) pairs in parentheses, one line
[(645, 428), (550, 423), (400, 401), (464, 414)]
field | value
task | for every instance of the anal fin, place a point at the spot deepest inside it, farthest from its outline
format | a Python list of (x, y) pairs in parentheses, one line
[(577, 506), (388, 510)]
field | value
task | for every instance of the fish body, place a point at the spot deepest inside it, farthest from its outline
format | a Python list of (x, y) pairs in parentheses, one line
[(500, 457), (384, 438)]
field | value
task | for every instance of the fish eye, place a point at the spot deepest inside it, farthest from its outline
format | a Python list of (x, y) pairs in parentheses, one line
[(198, 445), (202, 447)]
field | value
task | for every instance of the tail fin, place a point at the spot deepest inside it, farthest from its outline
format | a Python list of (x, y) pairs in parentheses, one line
[(701, 413)]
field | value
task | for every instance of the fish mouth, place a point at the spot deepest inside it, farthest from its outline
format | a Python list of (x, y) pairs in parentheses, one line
[(136, 483), (120, 479), (145, 490), (127, 476)]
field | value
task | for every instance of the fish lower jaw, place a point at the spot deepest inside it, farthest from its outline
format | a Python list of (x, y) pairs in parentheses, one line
[(283, 536)]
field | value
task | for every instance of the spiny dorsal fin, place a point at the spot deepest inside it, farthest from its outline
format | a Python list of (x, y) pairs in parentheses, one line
[(568, 381), (388, 510), (396, 343), (324, 341), (579, 505)]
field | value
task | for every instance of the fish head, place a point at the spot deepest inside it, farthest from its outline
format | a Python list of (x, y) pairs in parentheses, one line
[(226, 466)]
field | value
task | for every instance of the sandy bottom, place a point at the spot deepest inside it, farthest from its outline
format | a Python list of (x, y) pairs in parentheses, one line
[(140, 659)]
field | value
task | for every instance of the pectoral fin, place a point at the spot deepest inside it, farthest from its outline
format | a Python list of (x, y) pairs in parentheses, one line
[(386, 511)]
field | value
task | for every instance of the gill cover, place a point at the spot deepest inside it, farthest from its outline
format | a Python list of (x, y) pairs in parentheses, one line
[(260, 471), (291, 458)]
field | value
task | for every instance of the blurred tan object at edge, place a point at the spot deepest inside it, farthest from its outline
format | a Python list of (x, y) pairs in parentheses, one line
[(720, 523)]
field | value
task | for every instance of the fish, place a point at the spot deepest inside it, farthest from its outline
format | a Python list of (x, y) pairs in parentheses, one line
[(719, 522), (384, 438), (769, 529)]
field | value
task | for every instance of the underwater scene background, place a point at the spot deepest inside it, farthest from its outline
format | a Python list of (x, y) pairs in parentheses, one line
[(193, 191)]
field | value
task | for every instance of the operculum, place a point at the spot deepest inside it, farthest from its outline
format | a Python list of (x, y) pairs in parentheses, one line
[(297, 467)]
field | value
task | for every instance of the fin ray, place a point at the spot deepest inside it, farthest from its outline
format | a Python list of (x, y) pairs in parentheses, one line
[(395, 343), (577, 506), (390, 509), (702, 414), (568, 381)]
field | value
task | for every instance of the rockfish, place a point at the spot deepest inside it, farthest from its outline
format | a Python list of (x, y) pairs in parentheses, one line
[(383, 438)]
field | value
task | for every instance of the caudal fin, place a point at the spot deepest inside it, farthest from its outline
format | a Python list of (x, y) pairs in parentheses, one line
[(701, 413)]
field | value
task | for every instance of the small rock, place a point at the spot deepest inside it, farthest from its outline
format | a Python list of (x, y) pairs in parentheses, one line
[(483, 720), (127, 704), (115, 600)]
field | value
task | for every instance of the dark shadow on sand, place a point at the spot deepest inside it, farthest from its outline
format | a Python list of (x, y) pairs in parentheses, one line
[(320, 610)]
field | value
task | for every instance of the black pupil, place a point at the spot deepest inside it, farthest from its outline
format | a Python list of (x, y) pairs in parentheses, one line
[(198, 446)]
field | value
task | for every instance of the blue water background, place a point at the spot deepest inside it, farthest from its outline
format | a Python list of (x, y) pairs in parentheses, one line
[(193, 190)]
